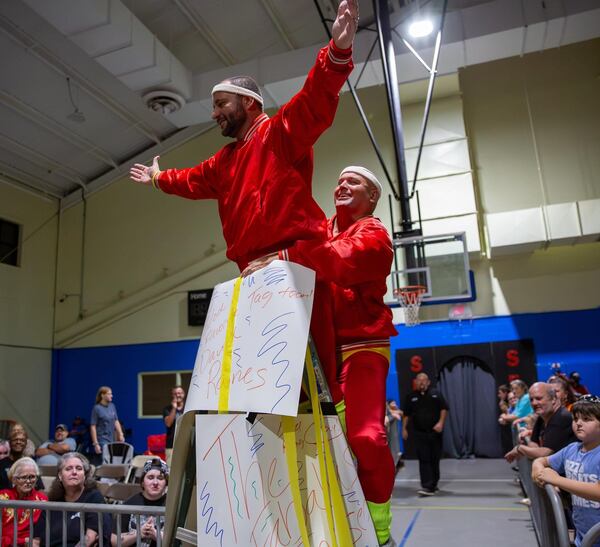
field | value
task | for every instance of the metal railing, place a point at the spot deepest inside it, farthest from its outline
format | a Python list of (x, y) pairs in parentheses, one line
[(82, 508), (546, 508), (591, 536)]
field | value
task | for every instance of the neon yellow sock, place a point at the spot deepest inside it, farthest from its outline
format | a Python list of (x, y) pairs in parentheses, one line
[(340, 408), (381, 514)]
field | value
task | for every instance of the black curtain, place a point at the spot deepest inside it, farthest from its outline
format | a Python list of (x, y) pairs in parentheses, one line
[(472, 426)]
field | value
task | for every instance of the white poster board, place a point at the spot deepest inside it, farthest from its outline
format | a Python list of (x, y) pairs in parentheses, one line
[(269, 342), (243, 488)]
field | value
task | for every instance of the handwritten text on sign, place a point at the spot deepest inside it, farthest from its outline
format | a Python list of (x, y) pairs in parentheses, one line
[(269, 342), (243, 487)]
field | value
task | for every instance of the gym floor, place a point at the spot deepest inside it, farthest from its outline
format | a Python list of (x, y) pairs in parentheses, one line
[(478, 504)]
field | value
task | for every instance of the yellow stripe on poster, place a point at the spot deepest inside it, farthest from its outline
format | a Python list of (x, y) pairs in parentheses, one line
[(228, 349), (331, 487), (289, 439), (316, 410)]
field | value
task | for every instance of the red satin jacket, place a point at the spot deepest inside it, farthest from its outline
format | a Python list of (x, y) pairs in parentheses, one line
[(263, 183), (356, 262)]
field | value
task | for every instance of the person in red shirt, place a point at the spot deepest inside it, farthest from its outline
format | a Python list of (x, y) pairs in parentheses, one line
[(356, 260), (263, 181)]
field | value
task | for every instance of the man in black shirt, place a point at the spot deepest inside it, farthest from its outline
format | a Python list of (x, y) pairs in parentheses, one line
[(552, 430), (170, 414), (427, 410)]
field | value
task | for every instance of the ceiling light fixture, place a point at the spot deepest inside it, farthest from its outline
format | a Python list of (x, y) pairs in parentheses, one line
[(422, 28), (77, 115)]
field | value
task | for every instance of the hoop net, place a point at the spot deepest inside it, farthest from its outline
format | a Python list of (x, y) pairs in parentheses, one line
[(410, 299)]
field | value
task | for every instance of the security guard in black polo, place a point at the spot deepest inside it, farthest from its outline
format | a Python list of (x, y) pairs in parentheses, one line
[(427, 410)]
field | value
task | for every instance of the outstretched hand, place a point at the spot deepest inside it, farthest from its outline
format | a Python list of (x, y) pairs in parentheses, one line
[(345, 24), (142, 173)]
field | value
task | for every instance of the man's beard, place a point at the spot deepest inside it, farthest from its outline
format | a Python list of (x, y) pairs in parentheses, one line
[(235, 121)]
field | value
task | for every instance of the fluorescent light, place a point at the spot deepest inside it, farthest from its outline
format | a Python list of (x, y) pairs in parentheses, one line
[(418, 29)]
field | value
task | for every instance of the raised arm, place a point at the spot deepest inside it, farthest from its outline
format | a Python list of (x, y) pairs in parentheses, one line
[(302, 120)]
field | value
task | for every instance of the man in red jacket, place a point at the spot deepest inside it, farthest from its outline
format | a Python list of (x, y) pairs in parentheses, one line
[(356, 260), (263, 180)]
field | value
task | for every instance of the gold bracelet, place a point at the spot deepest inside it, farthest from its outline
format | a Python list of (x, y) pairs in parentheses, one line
[(153, 180)]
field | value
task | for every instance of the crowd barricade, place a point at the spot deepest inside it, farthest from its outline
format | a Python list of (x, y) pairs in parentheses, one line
[(545, 507), (591, 536), (116, 511)]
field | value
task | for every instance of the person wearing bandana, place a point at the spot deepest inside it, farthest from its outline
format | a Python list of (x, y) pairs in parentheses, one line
[(263, 180), (155, 477), (357, 258)]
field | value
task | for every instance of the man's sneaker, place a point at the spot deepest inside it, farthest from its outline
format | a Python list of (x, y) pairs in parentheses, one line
[(426, 492)]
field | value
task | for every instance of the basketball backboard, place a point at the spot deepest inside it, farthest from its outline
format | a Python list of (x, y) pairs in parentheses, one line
[(439, 263)]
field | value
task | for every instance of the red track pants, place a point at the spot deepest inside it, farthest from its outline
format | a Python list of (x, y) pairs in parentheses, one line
[(362, 379)]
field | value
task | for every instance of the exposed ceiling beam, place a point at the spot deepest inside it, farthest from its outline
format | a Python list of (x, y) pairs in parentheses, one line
[(279, 25), (27, 180), (37, 49), (59, 130), (23, 186), (212, 40), (41, 160)]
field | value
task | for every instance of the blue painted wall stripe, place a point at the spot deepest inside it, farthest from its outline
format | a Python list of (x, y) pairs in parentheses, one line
[(568, 337)]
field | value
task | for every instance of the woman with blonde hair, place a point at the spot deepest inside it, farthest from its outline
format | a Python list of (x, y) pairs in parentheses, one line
[(104, 423), (23, 474)]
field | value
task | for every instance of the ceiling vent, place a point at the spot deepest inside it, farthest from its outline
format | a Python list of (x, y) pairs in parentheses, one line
[(165, 102)]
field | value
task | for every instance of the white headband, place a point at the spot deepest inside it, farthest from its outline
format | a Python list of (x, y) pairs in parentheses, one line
[(363, 172), (238, 90)]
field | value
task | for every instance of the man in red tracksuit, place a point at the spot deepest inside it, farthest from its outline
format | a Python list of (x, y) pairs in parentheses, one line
[(262, 181), (357, 259)]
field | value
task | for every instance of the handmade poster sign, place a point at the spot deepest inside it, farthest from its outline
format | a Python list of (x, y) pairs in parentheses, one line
[(253, 345), (244, 491)]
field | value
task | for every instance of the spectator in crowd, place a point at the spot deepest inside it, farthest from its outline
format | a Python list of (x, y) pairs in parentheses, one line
[(427, 410), (104, 423), (49, 453), (564, 391), (4, 449), (578, 387), (502, 394), (523, 406), (23, 475), (74, 483), (506, 407), (155, 477), (17, 442), (552, 429), (579, 462), (81, 434), (393, 415), (29, 446), (170, 414)]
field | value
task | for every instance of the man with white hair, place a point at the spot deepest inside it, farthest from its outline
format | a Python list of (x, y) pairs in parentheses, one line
[(357, 259), (263, 180)]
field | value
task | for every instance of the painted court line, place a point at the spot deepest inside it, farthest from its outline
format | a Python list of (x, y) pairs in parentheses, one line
[(409, 529)]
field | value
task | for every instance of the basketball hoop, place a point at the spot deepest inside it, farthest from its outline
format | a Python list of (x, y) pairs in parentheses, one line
[(410, 299)]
